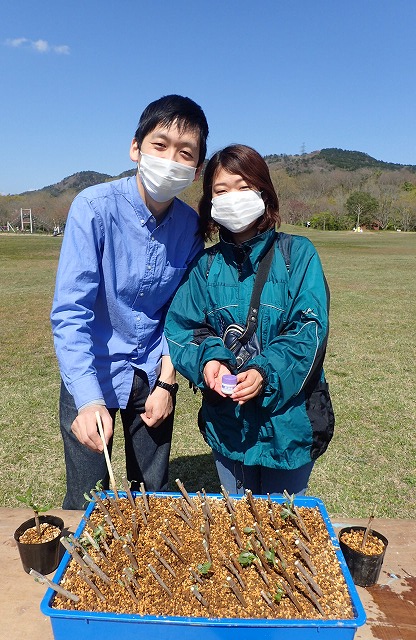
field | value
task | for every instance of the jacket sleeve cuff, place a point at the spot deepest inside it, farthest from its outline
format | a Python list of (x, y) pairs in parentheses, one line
[(261, 371)]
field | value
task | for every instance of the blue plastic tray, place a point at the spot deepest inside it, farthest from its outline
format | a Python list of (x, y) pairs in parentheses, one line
[(87, 625)]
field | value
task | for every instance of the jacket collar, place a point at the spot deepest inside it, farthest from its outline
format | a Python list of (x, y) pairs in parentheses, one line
[(253, 249)]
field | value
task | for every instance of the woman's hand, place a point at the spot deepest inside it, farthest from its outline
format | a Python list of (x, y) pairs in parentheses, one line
[(249, 385), (213, 373)]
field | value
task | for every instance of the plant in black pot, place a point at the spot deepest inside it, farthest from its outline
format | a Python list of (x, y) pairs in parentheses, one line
[(363, 550), (38, 539)]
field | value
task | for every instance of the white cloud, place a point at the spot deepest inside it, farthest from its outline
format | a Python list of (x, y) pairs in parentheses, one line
[(62, 48), (41, 46), (16, 42)]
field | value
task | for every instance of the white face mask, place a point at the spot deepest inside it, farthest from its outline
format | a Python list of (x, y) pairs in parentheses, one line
[(164, 179), (237, 210)]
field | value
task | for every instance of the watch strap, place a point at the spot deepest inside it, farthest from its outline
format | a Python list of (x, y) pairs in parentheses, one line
[(172, 388)]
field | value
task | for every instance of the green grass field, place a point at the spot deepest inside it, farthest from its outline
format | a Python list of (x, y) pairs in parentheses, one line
[(371, 462)]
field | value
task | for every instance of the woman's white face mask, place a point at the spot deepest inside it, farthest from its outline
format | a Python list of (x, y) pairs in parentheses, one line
[(237, 210), (164, 179)]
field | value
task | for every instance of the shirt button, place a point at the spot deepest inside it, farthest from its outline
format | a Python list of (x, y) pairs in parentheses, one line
[(142, 221), (141, 294), (149, 267)]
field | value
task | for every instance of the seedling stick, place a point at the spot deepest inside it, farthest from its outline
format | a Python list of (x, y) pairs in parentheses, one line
[(186, 494), (232, 569), (106, 454), (117, 509), (184, 506), (96, 569), (172, 547), (292, 597), (91, 585), (261, 571), (128, 572), (228, 502), (112, 527), (236, 564), (308, 577), (96, 546), (236, 591), (130, 591), (199, 596), (367, 530), (306, 558), (195, 576), (206, 549), (182, 515), (237, 538), (303, 546), (75, 555), (142, 513), (56, 587), (163, 561), (131, 557), (134, 527), (260, 536), (272, 518), (206, 506), (172, 533), (253, 507), (129, 495), (100, 503), (144, 496), (159, 579), (268, 600), (310, 593)]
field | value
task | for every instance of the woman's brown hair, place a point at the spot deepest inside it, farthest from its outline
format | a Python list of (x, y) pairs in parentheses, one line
[(238, 159)]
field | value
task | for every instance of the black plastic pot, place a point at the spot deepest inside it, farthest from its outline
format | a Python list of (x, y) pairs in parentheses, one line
[(43, 557), (364, 569)]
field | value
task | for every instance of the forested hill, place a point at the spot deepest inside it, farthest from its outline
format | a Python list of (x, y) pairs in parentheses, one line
[(310, 185), (335, 159)]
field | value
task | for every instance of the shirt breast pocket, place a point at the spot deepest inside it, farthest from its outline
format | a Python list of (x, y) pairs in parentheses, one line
[(171, 278)]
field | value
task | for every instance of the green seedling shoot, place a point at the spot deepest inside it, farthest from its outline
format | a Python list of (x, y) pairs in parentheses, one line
[(288, 508), (98, 488), (204, 568), (246, 558), (278, 594), (28, 500), (270, 556)]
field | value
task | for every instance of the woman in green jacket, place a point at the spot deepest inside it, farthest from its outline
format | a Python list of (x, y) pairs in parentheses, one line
[(266, 435)]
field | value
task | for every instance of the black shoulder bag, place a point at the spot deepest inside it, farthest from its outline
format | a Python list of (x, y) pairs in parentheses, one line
[(242, 340)]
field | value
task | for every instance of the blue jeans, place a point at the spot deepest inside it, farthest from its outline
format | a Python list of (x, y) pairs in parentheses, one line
[(146, 449), (237, 477)]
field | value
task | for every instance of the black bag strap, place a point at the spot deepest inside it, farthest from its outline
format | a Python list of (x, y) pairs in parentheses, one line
[(261, 277)]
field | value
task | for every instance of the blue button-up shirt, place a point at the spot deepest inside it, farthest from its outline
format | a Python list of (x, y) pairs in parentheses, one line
[(117, 273)]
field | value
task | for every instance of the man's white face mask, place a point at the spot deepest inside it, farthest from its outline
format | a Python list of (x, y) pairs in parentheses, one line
[(237, 210), (164, 179)]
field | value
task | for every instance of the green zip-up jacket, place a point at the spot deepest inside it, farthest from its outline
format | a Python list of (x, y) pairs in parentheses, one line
[(286, 426)]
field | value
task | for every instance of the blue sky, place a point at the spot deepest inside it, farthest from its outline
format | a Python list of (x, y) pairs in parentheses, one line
[(280, 75)]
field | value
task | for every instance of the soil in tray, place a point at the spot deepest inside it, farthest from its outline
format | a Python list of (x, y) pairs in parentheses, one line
[(187, 585)]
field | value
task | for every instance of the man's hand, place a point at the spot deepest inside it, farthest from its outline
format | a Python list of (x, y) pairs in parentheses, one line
[(159, 405), (249, 385), (85, 428), (213, 373)]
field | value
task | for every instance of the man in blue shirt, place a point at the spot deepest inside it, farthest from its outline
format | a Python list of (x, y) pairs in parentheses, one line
[(126, 247)]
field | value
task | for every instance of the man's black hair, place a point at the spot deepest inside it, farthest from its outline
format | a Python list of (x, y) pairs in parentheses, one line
[(184, 112)]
